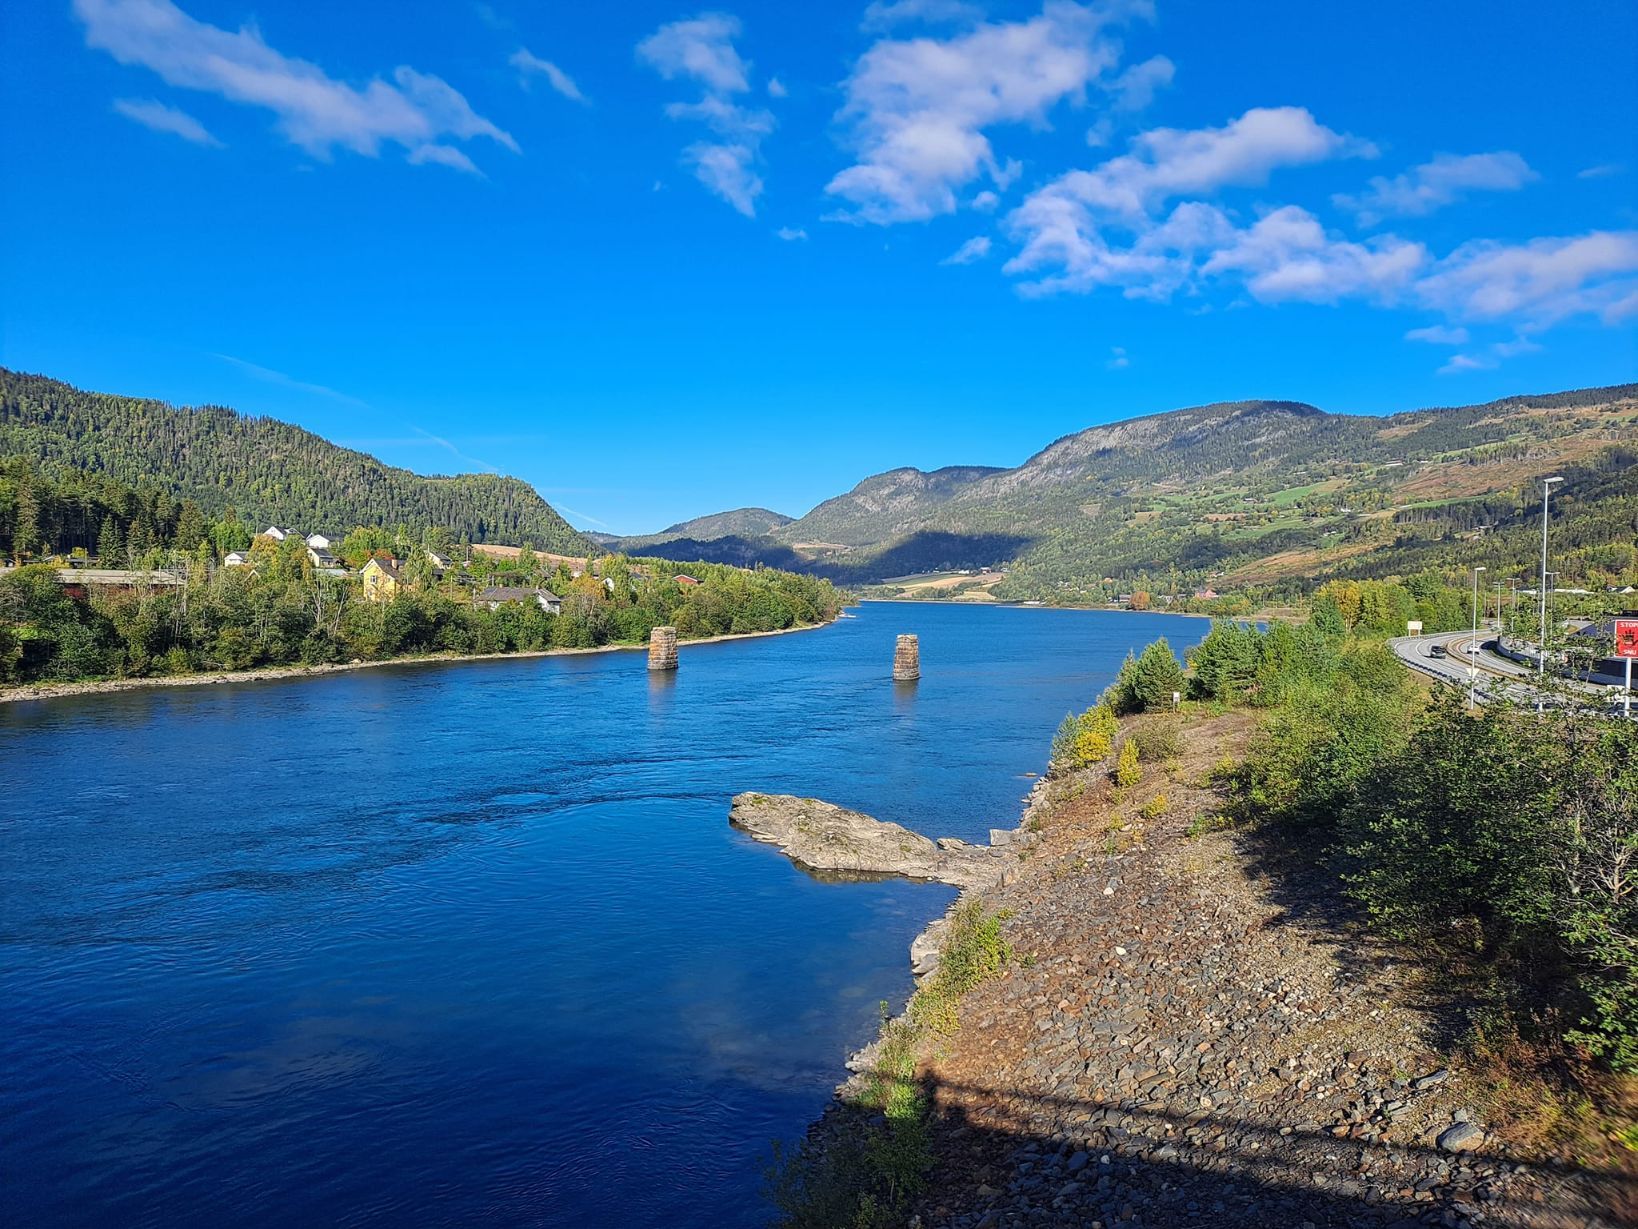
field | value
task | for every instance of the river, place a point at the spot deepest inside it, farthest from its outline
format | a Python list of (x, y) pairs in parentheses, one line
[(437, 944)]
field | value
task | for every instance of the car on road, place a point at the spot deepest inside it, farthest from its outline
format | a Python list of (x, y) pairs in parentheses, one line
[(1437, 650), (1474, 647)]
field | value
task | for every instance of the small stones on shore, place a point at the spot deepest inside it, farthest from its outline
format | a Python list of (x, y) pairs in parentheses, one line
[(1177, 1050)]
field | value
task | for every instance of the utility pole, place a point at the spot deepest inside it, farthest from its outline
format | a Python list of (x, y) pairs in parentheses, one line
[(1547, 485), (1513, 618), (1498, 610), (1473, 645)]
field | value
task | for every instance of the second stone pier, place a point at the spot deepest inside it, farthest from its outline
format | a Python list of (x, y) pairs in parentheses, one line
[(907, 660), (662, 648)]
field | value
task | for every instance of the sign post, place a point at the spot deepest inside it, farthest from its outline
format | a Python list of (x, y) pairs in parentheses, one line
[(1626, 646)]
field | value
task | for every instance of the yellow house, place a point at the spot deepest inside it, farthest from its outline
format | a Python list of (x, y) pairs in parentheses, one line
[(382, 579)]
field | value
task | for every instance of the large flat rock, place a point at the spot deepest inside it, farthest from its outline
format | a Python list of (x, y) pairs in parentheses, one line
[(822, 837)]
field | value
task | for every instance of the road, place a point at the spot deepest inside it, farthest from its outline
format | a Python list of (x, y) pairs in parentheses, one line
[(1490, 676)]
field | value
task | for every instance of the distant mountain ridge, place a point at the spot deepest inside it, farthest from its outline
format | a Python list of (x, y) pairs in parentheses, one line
[(1263, 490), (268, 471)]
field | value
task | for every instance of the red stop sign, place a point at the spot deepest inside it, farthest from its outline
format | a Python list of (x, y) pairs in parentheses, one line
[(1626, 637)]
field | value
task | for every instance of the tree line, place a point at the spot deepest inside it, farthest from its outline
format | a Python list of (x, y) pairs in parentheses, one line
[(282, 610), (271, 472)]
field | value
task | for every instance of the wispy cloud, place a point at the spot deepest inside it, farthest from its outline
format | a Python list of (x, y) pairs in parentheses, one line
[(1538, 282), (1107, 226), (1439, 335), (791, 234), (1433, 185), (917, 112), (440, 442), (530, 65), (314, 110), (970, 252), (151, 113), (1602, 171), (268, 376), (701, 49), (1118, 359), (885, 14)]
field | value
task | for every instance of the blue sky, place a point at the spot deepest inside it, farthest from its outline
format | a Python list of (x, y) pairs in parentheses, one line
[(661, 260)]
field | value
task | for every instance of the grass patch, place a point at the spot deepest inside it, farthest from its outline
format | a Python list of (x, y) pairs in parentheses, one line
[(875, 1160)]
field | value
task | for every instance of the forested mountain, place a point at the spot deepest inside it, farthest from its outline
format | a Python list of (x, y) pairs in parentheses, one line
[(739, 523), (267, 471), (1240, 493)]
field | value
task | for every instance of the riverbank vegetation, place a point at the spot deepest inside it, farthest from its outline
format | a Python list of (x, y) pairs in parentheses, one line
[(871, 1155), (1504, 840), (182, 612)]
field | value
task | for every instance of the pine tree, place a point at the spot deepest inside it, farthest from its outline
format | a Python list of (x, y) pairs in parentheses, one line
[(108, 542)]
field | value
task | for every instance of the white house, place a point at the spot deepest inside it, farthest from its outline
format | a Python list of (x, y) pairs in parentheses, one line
[(322, 541), (277, 534), (494, 596), (236, 559)]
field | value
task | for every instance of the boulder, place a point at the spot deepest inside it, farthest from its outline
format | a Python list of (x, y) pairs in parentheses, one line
[(828, 839), (1463, 1137)]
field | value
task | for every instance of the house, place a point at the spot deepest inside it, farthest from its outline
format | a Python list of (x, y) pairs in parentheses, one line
[(322, 558), (685, 582), (381, 578), (237, 558), (277, 534), (323, 541), (496, 596), (439, 562)]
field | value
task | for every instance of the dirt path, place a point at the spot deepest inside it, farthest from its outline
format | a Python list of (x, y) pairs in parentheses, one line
[(1187, 1037)]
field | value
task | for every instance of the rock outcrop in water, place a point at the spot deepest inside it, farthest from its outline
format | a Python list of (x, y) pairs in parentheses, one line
[(822, 837)]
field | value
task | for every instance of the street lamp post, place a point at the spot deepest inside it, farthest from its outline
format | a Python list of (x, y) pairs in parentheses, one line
[(1513, 618), (1499, 628), (1473, 645), (1547, 485)]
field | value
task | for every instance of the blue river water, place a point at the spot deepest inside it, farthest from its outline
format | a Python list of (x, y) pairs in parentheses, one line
[(439, 944)]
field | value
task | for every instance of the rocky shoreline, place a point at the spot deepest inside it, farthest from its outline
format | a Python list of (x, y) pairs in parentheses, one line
[(1194, 1033), (52, 691)]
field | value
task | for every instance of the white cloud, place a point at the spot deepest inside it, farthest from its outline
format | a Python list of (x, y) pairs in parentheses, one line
[(916, 110), (1492, 356), (1602, 171), (699, 47), (1101, 227), (974, 249), (442, 155), (527, 63), (1537, 282), (151, 113), (1459, 363), (1433, 185), (1439, 335), (702, 49), (985, 201), (314, 110), (1118, 358), (1288, 255), (776, 88), (1168, 162), (1135, 88), (791, 234), (885, 14)]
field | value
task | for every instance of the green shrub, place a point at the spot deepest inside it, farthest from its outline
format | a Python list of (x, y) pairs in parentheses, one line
[(1127, 770), (1159, 742)]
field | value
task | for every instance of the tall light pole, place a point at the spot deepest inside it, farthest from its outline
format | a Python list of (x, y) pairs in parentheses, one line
[(1513, 619), (1547, 485), (1473, 645), (1498, 610)]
